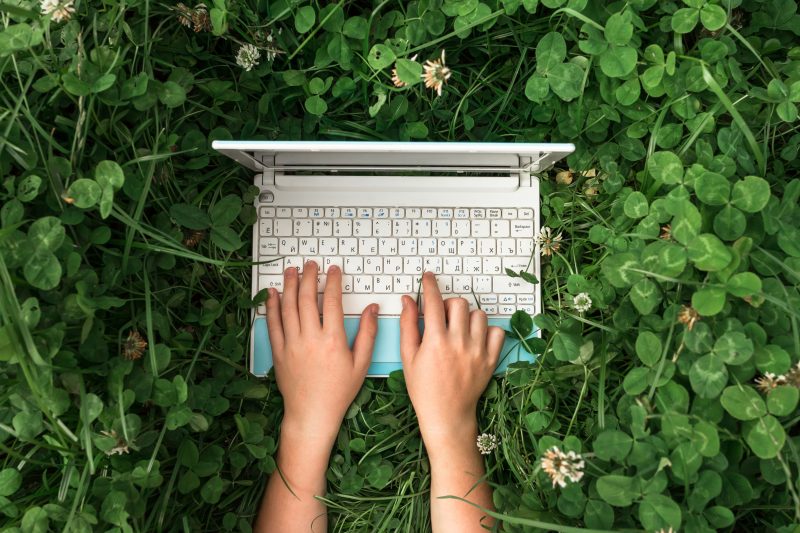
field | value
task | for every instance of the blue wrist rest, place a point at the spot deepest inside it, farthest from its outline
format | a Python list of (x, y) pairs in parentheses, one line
[(386, 354)]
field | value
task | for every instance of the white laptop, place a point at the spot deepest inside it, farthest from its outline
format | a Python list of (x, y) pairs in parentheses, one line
[(385, 212)]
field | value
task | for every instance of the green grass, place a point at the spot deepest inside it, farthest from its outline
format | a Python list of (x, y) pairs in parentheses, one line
[(668, 116)]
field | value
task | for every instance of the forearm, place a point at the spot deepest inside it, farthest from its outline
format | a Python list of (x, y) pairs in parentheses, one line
[(289, 502), (457, 469)]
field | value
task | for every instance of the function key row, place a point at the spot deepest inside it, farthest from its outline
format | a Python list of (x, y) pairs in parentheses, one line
[(396, 212)]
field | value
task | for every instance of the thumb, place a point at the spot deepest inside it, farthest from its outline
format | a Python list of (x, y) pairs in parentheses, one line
[(365, 338), (409, 329)]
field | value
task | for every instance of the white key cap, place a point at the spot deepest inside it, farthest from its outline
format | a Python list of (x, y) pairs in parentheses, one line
[(273, 267), (381, 212), (527, 308), (299, 212), (362, 228), (353, 265), (393, 265), (383, 284), (265, 227), (522, 228), (492, 265), (368, 246), (525, 299), (268, 246), (515, 263), (487, 299), (493, 213), (332, 212), (447, 246), (373, 265), (348, 212), (416, 285), (270, 282), (480, 228), (452, 265), (526, 213), (284, 212), (445, 284), (402, 285), (412, 265), (433, 264), (477, 213), (482, 284), (507, 298), (401, 228), (472, 265), (348, 246), (421, 228), (445, 213), (342, 228), (490, 309), (441, 228), (328, 246), (323, 227), (408, 246), (294, 262), (287, 246), (462, 284), (347, 283), (506, 284), (322, 280), (506, 246), (507, 310), (382, 228), (332, 261), (487, 247), (428, 212), (309, 246), (467, 247), (283, 227), (398, 212), (387, 246), (524, 247), (500, 228), (427, 246), (461, 228), (462, 213), (364, 212), (413, 212), (509, 214), (362, 284), (303, 227), (316, 212), (268, 212)]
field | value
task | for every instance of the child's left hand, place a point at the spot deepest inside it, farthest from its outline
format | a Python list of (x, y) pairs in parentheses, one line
[(317, 372)]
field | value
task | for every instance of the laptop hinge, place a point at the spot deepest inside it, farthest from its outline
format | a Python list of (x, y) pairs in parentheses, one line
[(525, 172), (267, 169)]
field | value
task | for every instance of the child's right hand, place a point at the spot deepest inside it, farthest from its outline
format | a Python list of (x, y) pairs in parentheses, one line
[(447, 371)]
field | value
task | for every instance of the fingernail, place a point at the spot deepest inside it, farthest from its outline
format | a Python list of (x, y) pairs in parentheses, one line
[(311, 262), (373, 309), (273, 293), (404, 301), (291, 271), (333, 269)]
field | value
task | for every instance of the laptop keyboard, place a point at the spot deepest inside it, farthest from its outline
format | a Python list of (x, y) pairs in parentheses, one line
[(383, 252)]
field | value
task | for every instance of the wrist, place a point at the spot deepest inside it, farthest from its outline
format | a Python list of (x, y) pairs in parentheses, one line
[(450, 440), (308, 433)]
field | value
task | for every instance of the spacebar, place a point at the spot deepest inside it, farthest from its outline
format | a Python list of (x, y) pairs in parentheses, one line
[(354, 304)]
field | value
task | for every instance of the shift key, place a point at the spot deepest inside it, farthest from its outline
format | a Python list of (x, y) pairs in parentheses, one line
[(503, 284)]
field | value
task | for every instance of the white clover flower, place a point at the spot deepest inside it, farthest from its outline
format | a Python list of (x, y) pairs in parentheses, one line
[(59, 11), (547, 243), (769, 381), (581, 302), (486, 443), (247, 57), (561, 466), (436, 74)]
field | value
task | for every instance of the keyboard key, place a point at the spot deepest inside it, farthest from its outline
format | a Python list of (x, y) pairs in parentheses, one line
[(526, 213), (309, 246), (401, 228), (507, 298), (472, 265), (316, 212), (427, 246), (294, 262), (477, 213), (381, 212), (480, 228), (403, 284), (270, 282), (323, 227), (452, 265), (445, 284), (342, 228), (461, 228), (364, 212), (348, 212), (265, 227), (282, 227), (429, 212), (347, 284), (273, 267), (332, 212), (413, 212), (288, 246), (515, 285), (482, 284), (500, 228), (433, 264), (507, 246), (368, 246), (408, 246), (507, 310), (447, 246), (487, 247), (509, 214), (392, 265), (445, 213), (525, 247), (332, 261), (441, 228), (412, 265), (493, 213), (268, 246), (462, 284), (299, 212), (362, 284), (398, 212), (383, 284), (487, 299), (467, 247), (387, 246), (525, 299), (362, 228), (348, 246), (328, 246), (268, 212), (373, 265), (462, 213), (522, 228), (382, 228), (353, 265), (492, 265), (303, 227), (515, 263), (421, 228), (531, 310), (490, 309), (322, 280), (284, 212)]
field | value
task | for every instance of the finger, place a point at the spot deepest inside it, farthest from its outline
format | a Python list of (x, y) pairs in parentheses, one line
[(274, 324), (409, 330), (478, 327), (332, 313), (289, 317), (457, 310), (433, 304), (365, 338), (495, 337), (307, 306)]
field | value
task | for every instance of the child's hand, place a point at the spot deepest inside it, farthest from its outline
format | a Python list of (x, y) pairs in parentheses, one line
[(448, 371), (317, 372)]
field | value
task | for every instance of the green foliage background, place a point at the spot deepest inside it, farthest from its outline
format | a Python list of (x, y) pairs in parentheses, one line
[(684, 192)]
